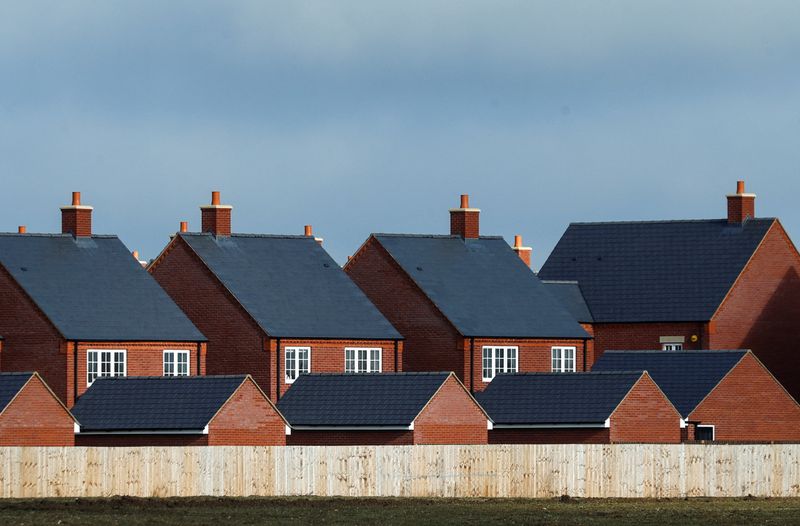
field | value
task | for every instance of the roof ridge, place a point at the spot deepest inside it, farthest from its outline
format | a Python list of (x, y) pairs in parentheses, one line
[(432, 236), (56, 235), (684, 351), (245, 235), (573, 374), (373, 375), (662, 221)]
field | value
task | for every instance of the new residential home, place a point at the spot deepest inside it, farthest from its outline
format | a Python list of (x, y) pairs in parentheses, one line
[(383, 409), (729, 283), (182, 411), (723, 395), (31, 414), (580, 408), (467, 303), (77, 306), (275, 307)]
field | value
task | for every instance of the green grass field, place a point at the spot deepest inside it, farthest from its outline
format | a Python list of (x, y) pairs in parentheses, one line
[(316, 511)]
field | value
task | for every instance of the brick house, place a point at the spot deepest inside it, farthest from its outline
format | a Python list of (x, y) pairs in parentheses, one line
[(467, 303), (579, 408), (723, 395), (699, 284), (273, 306), (77, 306), (181, 411), (383, 409), (31, 414)]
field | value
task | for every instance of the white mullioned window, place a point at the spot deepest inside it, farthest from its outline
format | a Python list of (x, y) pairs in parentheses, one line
[(497, 360), (105, 362), (672, 346), (298, 361), (176, 363), (362, 360), (563, 359)]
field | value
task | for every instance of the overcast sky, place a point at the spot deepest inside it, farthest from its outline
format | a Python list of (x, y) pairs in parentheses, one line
[(368, 116)]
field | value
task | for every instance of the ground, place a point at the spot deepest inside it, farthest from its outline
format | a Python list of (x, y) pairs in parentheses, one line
[(244, 511)]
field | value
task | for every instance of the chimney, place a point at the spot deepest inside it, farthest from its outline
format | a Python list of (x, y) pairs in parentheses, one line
[(216, 217), (76, 219), (464, 221), (308, 232), (524, 253), (184, 226), (741, 205), (21, 229)]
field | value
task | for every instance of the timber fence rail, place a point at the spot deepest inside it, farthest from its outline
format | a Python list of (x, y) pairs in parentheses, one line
[(635, 470)]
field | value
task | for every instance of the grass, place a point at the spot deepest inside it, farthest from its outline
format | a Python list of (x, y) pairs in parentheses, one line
[(318, 511)]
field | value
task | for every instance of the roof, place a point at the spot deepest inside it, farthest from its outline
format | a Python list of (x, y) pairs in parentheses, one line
[(569, 294), (93, 289), (359, 400), (10, 384), (555, 398), (654, 271), (290, 286), (481, 286), (686, 377), (153, 403)]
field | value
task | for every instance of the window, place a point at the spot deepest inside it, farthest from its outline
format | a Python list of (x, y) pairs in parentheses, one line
[(672, 346), (104, 363), (176, 363), (704, 432), (563, 359), (298, 361), (497, 360), (358, 360)]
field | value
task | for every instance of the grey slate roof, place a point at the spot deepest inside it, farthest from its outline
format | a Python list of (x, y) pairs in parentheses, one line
[(153, 403), (481, 286), (354, 400), (10, 384), (654, 271), (686, 377), (569, 294), (291, 286), (555, 398), (93, 289)]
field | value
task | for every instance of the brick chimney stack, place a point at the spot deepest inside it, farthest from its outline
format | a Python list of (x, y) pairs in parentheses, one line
[(308, 232), (523, 252), (76, 219), (741, 205), (465, 221), (216, 218)]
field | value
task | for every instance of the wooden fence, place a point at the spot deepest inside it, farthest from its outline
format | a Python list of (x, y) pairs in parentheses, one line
[(420, 471)]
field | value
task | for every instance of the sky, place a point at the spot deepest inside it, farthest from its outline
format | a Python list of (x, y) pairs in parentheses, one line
[(360, 117)]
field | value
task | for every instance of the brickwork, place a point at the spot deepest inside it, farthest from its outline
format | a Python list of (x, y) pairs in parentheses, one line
[(645, 415), (741, 208), (36, 418), (350, 438), (76, 221), (465, 223), (645, 336), (749, 405), (247, 419), (216, 220), (596, 435), (451, 417)]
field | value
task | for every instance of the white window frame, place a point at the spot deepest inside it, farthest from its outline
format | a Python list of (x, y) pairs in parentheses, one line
[(672, 346), (713, 430), (498, 359), (99, 364), (175, 353), (295, 362), (561, 365), (370, 353)]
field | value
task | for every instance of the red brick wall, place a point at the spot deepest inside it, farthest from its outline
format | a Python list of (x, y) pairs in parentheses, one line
[(645, 415), (76, 221), (247, 419), (465, 224), (350, 438), (431, 343), (590, 357), (762, 310), (31, 342), (36, 418), (594, 435), (140, 440), (749, 405), (451, 417), (645, 336), (532, 355)]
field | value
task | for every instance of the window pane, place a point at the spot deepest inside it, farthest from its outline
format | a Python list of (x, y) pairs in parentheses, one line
[(302, 361), (349, 360), (91, 367), (169, 369), (487, 362), (119, 363), (290, 367), (569, 360), (511, 361), (499, 360), (556, 359), (183, 364), (105, 363), (375, 361), (362, 360)]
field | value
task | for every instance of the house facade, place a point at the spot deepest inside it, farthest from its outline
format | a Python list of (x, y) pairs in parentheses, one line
[(31, 414), (467, 303), (77, 306), (273, 306)]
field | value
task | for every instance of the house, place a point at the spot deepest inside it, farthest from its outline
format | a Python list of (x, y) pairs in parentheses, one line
[(467, 303), (273, 306), (699, 284), (569, 294), (383, 409), (77, 306), (31, 414), (180, 411), (723, 395), (580, 408)]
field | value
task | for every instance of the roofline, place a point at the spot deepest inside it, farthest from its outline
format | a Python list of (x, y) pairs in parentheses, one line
[(143, 432), (575, 425), (398, 427), (506, 336), (36, 306), (33, 375), (643, 375), (245, 379), (432, 236), (660, 221), (685, 351), (460, 384), (127, 340)]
